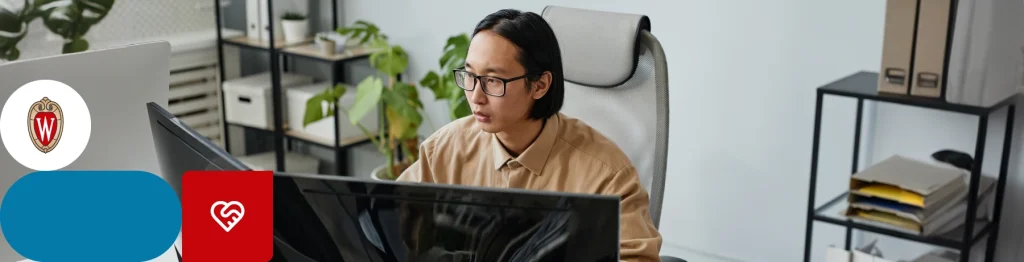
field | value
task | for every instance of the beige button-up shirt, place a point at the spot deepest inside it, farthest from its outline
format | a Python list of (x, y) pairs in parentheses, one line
[(567, 156)]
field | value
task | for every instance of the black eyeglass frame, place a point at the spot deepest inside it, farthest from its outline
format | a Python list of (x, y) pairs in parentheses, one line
[(476, 81)]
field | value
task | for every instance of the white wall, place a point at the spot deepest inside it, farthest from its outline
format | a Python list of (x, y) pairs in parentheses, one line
[(742, 77)]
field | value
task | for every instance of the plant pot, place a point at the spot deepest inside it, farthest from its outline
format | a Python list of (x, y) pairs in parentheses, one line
[(295, 30), (338, 41), (327, 47), (380, 175)]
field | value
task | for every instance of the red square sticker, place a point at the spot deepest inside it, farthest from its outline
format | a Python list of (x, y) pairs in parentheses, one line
[(228, 216)]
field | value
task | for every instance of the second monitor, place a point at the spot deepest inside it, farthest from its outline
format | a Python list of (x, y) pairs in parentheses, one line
[(331, 218)]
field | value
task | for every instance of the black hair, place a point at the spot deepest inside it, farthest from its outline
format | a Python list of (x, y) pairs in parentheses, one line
[(538, 52)]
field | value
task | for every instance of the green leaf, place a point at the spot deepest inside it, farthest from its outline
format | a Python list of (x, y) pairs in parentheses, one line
[(408, 92), (75, 46), (368, 95), (10, 21), (97, 10), (455, 51), (434, 82), (403, 105), (454, 91), (346, 30), (399, 126), (390, 60), (11, 54), (13, 28), (362, 30), (339, 91), (62, 23), (72, 19), (314, 109), (315, 105), (410, 132), (459, 107)]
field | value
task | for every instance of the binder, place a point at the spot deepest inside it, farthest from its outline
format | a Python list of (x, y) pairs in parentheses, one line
[(930, 48), (898, 46), (252, 19)]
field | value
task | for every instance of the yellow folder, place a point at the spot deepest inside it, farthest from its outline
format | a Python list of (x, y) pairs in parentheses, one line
[(893, 193), (888, 218), (909, 181)]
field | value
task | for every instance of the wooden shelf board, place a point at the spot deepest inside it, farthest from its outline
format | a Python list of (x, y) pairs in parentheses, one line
[(278, 43), (345, 141), (313, 51)]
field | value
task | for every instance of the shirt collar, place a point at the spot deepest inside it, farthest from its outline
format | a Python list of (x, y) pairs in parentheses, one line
[(536, 155)]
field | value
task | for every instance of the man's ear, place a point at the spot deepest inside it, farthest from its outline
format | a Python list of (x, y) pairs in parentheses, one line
[(542, 85)]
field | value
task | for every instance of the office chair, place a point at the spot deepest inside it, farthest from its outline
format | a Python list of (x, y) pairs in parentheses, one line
[(616, 81)]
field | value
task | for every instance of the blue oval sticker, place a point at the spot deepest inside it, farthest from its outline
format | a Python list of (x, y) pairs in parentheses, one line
[(86, 215)]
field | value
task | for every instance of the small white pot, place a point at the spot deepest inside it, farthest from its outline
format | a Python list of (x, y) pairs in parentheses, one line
[(327, 48), (338, 39), (295, 30), (379, 173)]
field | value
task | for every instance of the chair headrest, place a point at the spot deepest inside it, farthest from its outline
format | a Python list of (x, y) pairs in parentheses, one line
[(598, 48)]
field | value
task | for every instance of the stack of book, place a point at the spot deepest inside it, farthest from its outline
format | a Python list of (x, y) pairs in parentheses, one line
[(915, 197)]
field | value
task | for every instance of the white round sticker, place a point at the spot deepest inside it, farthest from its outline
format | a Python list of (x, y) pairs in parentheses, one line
[(45, 125)]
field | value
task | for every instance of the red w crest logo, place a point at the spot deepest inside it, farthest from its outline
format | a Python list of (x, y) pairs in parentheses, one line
[(46, 123)]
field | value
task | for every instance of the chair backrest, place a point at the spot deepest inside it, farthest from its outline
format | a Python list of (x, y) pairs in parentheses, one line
[(616, 81)]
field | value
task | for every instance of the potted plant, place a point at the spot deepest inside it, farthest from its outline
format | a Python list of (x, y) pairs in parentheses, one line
[(326, 45), (402, 108), (294, 26), (70, 20), (442, 83), (331, 40)]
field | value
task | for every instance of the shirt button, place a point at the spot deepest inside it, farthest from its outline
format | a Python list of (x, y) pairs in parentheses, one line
[(513, 164)]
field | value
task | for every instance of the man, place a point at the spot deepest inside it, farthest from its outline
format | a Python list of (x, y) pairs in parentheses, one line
[(517, 139)]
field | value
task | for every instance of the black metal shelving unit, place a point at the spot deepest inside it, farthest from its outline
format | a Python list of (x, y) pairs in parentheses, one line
[(863, 86), (279, 55)]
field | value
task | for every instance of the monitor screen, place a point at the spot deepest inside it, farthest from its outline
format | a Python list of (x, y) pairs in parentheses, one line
[(332, 218), (396, 221)]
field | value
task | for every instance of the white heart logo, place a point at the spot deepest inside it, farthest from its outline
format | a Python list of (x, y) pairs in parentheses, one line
[(227, 214)]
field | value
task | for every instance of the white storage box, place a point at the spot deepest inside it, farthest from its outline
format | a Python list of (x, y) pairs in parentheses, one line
[(293, 162), (248, 101), (323, 130)]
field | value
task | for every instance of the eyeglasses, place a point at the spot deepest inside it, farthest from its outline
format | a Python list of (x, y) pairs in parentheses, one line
[(493, 86)]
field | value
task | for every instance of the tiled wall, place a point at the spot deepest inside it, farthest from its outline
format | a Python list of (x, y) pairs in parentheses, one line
[(128, 20)]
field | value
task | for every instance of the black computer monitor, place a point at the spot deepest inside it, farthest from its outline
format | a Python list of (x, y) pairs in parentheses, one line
[(332, 218), (180, 149)]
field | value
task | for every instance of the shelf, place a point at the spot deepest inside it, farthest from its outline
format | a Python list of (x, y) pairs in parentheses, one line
[(312, 51), (346, 142), (269, 129), (865, 85), (832, 211), (245, 41)]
